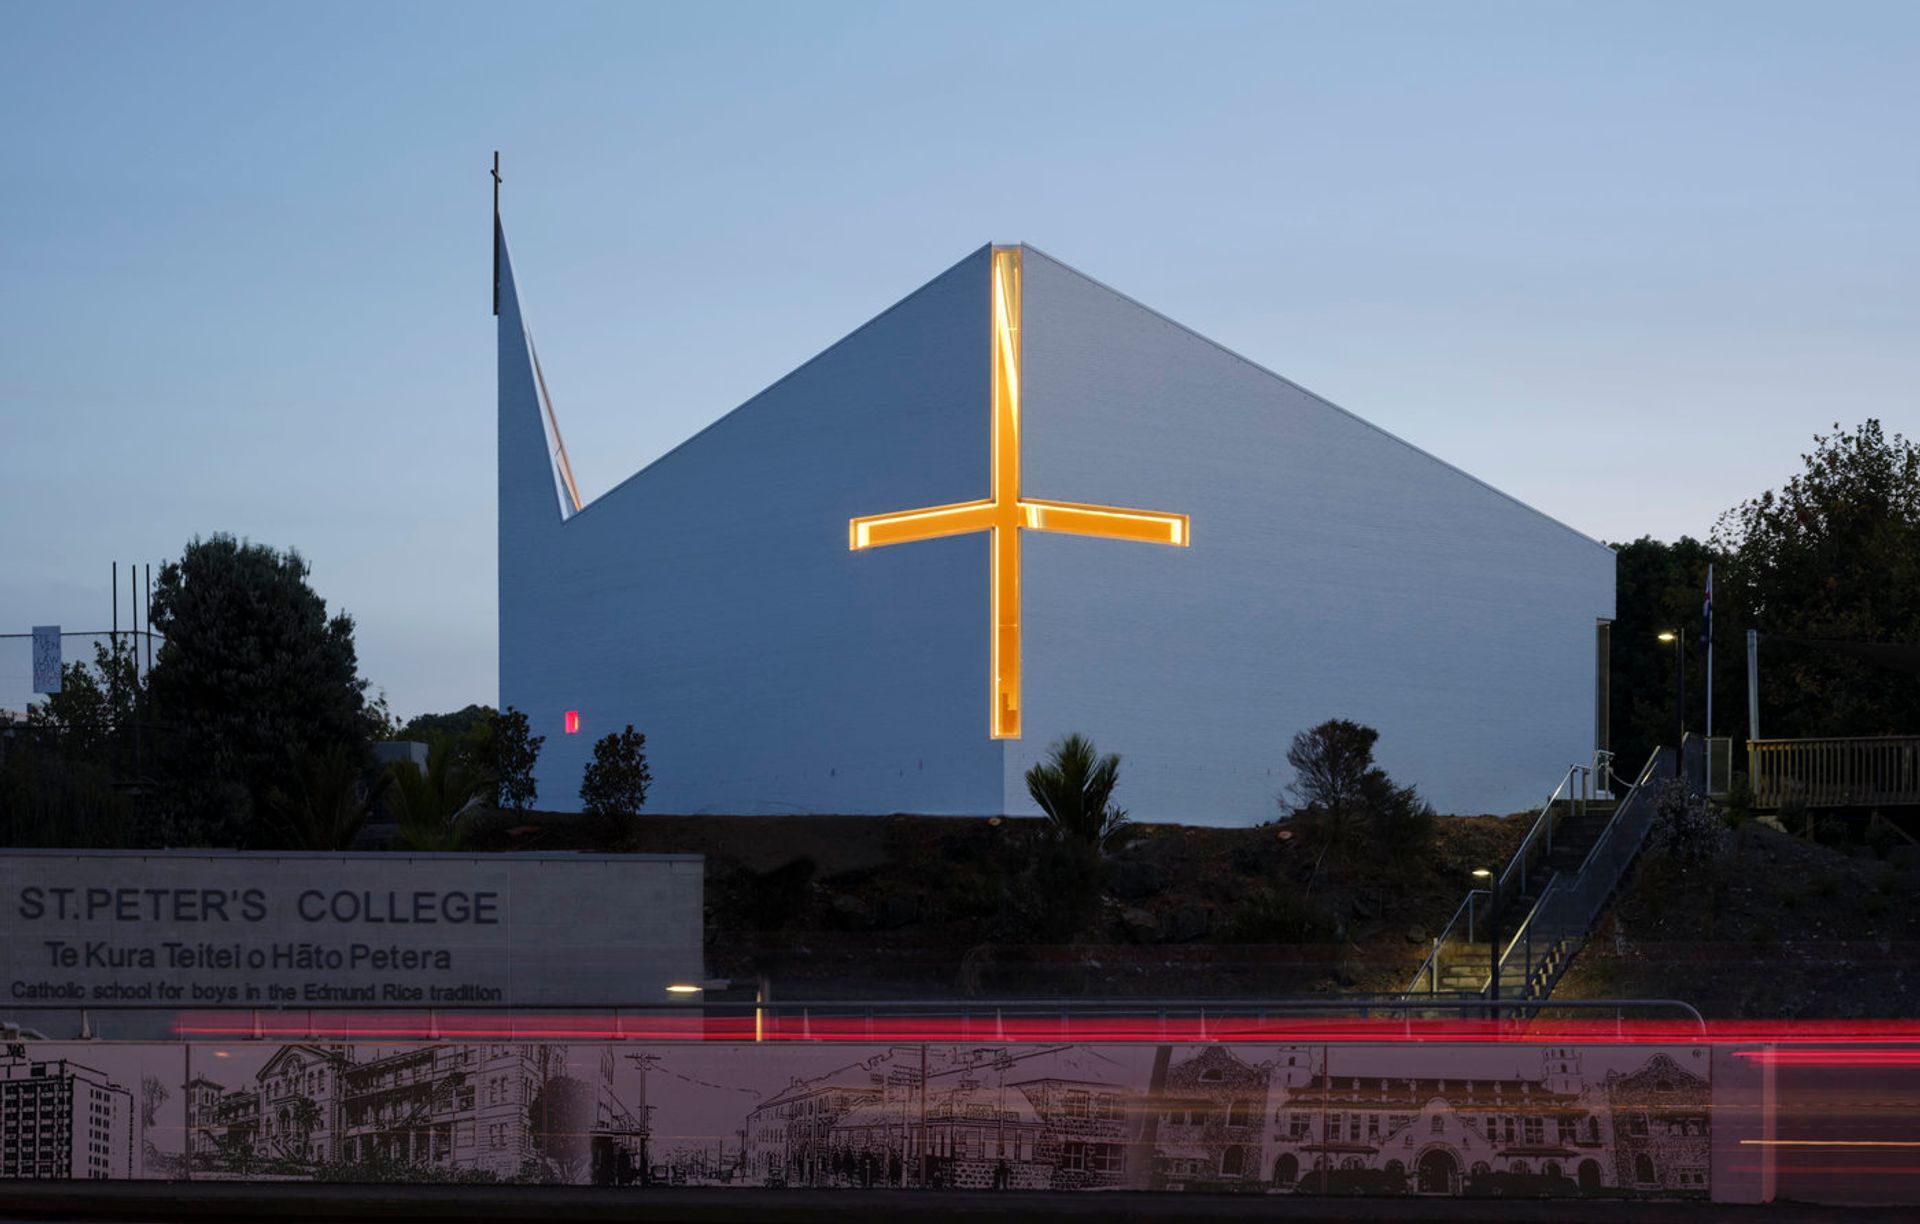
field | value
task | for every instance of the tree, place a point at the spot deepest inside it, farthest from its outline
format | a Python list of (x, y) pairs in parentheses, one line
[(616, 781), (1658, 587), (429, 804), (467, 723), (508, 755), (1833, 555), (251, 665), (92, 718), (325, 801), (1341, 802), (1074, 788), (560, 1120)]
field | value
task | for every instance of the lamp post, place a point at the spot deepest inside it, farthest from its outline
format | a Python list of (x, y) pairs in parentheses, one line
[(1679, 642), (762, 992), (1486, 876)]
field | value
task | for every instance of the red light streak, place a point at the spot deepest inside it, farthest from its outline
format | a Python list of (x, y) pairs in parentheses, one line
[(1833, 1058), (792, 1025)]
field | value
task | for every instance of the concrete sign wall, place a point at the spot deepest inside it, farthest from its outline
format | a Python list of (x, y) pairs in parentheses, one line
[(343, 930)]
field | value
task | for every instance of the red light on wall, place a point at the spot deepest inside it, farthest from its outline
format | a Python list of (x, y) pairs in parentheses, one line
[(573, 721)]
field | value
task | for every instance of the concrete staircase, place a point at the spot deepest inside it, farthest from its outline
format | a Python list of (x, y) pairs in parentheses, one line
[(1571, 860)]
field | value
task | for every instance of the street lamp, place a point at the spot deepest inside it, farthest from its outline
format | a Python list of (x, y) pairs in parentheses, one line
[(762, 991), (1485, 876), (1679, 642)]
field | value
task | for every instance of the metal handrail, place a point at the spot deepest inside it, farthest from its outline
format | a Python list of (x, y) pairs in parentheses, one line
[(1542, 827), (1432, 962), (1561, 883)]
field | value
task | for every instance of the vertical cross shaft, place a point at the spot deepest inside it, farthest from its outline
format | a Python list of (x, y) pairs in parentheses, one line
[(1005, 514)]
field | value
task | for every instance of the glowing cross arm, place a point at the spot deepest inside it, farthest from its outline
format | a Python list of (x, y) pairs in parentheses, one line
[(1145, 526), (905, 526)]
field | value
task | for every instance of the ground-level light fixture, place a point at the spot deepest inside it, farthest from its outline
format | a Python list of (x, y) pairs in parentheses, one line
[(697, 987), (761, 991)]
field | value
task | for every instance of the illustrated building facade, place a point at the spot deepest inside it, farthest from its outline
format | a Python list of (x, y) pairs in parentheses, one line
[(443, 1107), (1014, 505), (1644, 1132), (60, 1119)]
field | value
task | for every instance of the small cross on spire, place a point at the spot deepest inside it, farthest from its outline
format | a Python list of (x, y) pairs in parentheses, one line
[(496, 231)]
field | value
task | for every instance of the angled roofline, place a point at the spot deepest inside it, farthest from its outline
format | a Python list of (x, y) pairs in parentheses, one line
[(795, 372), (1318, 398)]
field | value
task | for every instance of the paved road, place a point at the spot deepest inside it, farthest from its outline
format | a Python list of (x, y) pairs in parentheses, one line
[(306, 1203)]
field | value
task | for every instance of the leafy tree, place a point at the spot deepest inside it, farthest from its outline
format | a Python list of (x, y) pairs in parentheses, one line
[(1343, 803), (1074, 788), (560, 1121), (1658, 587), (616, 781), (58, 774), (251, 665), (508, 756), (1833, 555), (468, 723), (326, 800), (92, 718), (429, 805)]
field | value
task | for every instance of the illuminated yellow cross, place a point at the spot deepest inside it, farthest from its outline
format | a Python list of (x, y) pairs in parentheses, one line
[(1005, 514)]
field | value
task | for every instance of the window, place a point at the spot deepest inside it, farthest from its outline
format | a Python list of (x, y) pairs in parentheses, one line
[(1106, 1105), (1076, 1105), (1643, 1169), (1107, 1158), (1238, 1114), (1439, 1120), (1233, 1162), (1073, 1157), (1534, 1130), (1298, 1126), (1637, 1124)]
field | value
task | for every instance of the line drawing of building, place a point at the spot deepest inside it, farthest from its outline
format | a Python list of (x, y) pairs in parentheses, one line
[(430, 1108), (1212, 1123), (62, 1119), (958, 1121), (1646, 1131)]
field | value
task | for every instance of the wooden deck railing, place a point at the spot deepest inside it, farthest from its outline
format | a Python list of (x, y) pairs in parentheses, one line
[(1865, 771)]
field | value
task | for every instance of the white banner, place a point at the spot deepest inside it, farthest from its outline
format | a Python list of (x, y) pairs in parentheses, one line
[(46, 658)]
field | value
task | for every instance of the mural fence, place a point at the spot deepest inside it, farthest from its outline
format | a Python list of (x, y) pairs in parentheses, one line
[(1504, 1119)]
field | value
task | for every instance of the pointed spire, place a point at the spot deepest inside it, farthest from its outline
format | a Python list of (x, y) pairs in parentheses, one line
[(532, 457)]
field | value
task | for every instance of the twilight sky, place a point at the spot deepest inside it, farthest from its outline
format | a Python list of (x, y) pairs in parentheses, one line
[(1618, 260)]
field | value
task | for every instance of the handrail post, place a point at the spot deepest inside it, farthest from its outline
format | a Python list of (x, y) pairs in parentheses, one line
[(1433, 968)]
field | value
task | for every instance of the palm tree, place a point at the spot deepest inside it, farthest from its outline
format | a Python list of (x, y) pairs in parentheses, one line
[(429, 804), (1074, 787), (326, 801)]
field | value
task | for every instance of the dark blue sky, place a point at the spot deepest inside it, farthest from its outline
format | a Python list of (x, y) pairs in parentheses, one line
[(1619, 260)]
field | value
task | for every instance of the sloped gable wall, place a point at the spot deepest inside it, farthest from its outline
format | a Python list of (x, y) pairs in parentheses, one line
[(1334, 572), (712, 602)]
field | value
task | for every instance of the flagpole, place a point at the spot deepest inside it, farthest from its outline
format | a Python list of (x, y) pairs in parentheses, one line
[(1709, 649)]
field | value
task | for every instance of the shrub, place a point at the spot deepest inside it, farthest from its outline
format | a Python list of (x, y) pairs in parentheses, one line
[(615, 784), (1074, 788), (1340, 801), (508, 754), (1685, 833)]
